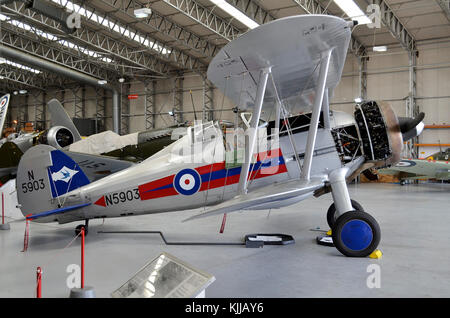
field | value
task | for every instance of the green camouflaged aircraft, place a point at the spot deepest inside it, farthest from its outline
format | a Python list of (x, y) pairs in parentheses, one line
[(414, 169)]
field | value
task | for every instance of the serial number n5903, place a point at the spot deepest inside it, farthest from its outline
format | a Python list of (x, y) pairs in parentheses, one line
[(122, 197), (34, 185)]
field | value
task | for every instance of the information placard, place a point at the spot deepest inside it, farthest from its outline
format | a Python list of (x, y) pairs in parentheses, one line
[(165, 277)]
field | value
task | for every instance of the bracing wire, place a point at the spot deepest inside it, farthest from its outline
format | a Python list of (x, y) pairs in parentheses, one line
[(215, 144)]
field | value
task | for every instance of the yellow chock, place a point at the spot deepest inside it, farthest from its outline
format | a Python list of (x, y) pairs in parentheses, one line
[(376, 254), (329, 233)]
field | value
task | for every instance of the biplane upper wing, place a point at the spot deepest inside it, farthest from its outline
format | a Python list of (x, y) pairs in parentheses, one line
[(4, 102), (292, 46), (265, 196)]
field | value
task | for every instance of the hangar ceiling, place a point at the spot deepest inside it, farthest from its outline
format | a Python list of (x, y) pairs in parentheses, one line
[(180, 35)]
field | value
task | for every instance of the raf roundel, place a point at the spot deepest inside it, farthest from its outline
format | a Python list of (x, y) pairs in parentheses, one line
[(405, 163), (187, 182)]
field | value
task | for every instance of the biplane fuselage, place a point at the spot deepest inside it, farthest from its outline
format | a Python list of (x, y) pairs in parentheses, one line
[(170, 181)]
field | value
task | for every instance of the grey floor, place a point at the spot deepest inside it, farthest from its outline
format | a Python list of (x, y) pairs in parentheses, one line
[(415, 242)]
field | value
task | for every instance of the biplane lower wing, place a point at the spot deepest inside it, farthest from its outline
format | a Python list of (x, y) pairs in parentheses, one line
[(264, 196)]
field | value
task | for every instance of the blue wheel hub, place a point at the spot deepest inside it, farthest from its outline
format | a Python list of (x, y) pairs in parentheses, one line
[(356, 235)]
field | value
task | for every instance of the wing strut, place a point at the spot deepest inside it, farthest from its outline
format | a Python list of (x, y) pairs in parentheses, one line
[(253, 129), (326, 110), (317, 107)]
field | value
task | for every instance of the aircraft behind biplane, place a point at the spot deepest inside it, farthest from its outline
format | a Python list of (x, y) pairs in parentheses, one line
[(288, 66), (64, 135)]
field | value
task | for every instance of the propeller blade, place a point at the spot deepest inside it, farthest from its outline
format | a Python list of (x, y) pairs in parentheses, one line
[(411, 127)]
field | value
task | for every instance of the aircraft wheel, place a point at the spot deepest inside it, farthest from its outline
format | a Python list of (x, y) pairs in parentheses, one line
[(356, 234), (79, 227), (331, 213), (402, 182)]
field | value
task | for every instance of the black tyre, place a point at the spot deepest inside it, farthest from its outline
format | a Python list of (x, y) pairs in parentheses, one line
[(331, 213), (78, 229), (356, 234)]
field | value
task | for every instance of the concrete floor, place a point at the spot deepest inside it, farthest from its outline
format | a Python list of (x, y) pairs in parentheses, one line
[(415, 242)]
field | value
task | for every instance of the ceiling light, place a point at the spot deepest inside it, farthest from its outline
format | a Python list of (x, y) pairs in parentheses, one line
[(53, 38), (15, 92), (2, 77), (122, 30), (142, 12), (23, 91), (382, 48), (102, 82), (358, 100), (121, 80), (353, 11), (2, 60), (22, 67), (235, 13)]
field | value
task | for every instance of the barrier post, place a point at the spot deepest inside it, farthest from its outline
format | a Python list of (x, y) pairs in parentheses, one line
[(3, 226), (82, 257), (26, 235), (38, 282), (83, 291)]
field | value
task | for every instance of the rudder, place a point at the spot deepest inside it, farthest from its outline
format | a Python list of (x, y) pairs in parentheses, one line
[(43, 175)]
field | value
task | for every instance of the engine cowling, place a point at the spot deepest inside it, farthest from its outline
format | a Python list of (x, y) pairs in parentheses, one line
[(380, 133), (58, 137), (375, 133)]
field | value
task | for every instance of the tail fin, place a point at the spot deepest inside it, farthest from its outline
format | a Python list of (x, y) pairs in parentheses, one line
[(4, 102), (43, 175), (61, 118)]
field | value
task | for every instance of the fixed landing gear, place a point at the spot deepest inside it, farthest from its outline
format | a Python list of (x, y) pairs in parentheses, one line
[(79, 227), (331, 213), (356, 234)]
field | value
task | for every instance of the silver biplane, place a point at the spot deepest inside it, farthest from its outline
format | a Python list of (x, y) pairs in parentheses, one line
[(284, 73)]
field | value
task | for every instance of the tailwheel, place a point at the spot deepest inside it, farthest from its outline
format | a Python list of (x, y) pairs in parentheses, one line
[(331, 213), (79, 227), (356, 234)]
